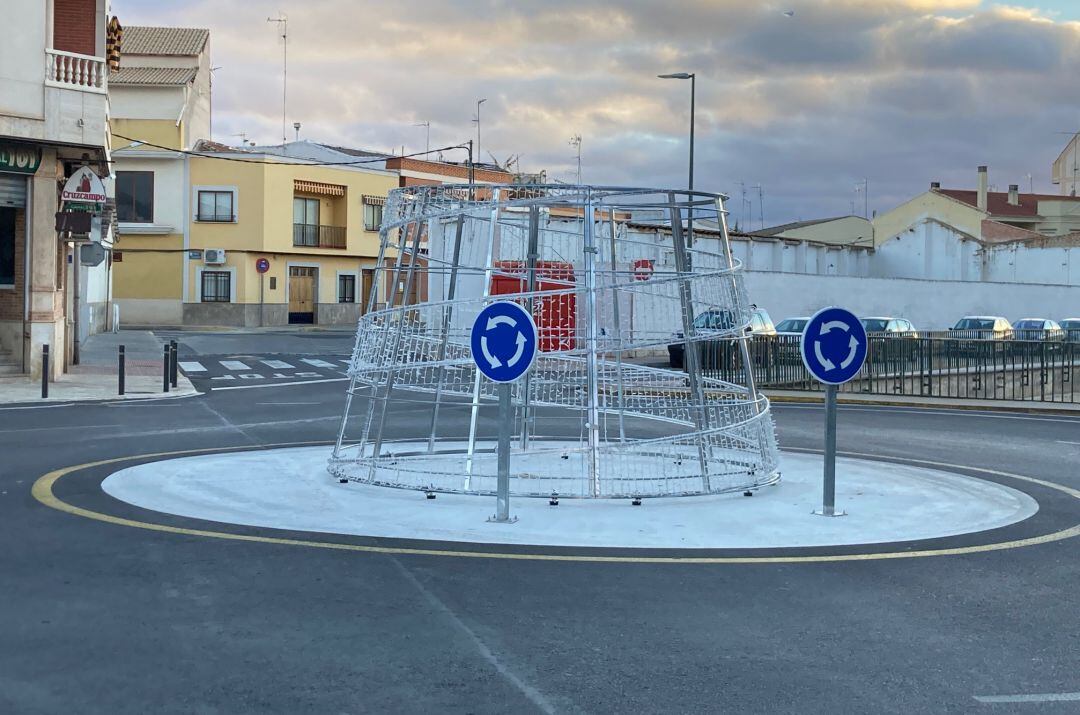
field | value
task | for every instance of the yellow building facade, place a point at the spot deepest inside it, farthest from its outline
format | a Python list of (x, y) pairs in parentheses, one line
[(313, 228)]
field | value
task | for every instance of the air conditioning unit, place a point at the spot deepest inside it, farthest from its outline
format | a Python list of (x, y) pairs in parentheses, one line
[(214, 256)]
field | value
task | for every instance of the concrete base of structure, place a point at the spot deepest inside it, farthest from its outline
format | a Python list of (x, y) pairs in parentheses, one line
[(291, 489)]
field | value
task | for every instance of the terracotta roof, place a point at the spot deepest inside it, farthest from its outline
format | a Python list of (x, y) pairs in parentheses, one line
[(142, 40), (152, 75), (997, 202)]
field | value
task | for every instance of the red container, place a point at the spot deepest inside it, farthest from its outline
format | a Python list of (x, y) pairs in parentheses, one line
[(555, 315)]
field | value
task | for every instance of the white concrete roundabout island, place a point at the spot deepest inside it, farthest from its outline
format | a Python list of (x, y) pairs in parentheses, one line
[(291, 489)]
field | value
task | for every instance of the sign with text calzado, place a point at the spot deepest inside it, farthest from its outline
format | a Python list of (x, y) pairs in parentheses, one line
[(84, 187)]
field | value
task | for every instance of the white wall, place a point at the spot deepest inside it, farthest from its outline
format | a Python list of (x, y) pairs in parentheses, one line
[(929, 304), (169, 188), (22, 59)]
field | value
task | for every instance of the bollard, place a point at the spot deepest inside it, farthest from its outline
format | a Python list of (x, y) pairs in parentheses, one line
[(165, 370), (172, 362), (120, 372), (44, 371)]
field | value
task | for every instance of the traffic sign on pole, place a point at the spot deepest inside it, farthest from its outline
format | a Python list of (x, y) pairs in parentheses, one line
[(504, 348), (504, 341), (833, 345), (833, 350), (262, 265)]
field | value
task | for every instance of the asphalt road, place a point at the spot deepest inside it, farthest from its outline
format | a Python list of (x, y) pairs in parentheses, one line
[(105, 618)]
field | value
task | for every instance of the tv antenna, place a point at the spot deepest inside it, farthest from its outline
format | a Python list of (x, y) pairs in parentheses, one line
[(283, 24)]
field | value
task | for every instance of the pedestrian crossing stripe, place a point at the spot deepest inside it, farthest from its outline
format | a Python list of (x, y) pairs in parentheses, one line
[(315, 362), (277, 364), (234, 365), (191, 366)]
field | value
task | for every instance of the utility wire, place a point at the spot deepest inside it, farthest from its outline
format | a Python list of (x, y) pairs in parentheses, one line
[(306, 162)]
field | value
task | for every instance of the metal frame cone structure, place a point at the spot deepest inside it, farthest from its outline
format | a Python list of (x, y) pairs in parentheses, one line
[(592, 418)]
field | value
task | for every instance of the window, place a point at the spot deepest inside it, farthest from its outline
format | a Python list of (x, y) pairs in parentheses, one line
[(346, 290), (135, 196), (216, 287), (306, 211), (216, 206), (372, 216)]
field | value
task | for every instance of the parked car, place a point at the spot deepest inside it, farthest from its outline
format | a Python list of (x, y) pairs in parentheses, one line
[(792, 326), (714, 352), (892, 327), (887, 344), (1071, 328), (982, 327), (1038, 329)]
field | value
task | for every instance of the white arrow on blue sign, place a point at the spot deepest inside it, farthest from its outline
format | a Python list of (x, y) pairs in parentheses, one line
[(833, 345), (504, 341)]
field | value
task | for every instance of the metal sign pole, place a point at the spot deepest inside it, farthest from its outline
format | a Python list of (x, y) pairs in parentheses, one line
[(828, 504), (502, 499), (262, 302)]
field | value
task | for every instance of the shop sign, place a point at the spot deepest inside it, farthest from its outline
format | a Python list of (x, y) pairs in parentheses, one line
[(18, 159)]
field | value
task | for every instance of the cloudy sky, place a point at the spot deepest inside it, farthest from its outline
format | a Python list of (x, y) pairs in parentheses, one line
[(807, 105)]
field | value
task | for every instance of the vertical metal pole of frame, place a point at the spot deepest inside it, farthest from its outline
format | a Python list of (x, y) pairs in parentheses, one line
[(744, 350), (444, 337), (387, 311), (621, 397), (371, 300), (488, 269), (532, 257), (418, 230), (591, 345), (690, 354)]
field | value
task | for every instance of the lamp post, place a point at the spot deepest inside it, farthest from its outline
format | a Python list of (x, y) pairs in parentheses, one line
[(693, 91), (478, 103)]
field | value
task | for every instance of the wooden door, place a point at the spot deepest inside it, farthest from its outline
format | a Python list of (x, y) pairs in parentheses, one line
[(301, 295)]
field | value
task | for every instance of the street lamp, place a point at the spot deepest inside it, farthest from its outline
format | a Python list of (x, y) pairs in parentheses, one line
[(477, 120), (693, 91)]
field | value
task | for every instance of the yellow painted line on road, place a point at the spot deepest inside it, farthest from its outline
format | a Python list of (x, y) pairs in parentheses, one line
[(43, 492)]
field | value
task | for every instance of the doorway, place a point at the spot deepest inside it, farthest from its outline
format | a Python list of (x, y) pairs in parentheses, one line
[(302, 294)]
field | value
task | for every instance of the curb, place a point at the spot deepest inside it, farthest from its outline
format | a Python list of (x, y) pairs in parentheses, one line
[(1023, 409)]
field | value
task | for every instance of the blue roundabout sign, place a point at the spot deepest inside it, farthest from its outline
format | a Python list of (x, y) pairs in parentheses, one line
[(503, 342), (834, 345)]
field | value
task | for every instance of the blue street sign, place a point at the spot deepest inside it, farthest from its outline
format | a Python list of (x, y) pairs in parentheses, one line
[(503, 341), (833, 345)]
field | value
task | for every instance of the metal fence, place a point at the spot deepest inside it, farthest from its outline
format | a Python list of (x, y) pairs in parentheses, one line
[(933, 365)]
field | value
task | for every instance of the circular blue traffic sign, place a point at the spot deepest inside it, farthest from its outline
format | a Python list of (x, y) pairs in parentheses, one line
[(503, 341), (833, 345)]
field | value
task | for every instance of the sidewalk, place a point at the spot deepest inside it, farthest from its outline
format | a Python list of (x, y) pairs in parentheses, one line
[(95, 377), (953, 403)]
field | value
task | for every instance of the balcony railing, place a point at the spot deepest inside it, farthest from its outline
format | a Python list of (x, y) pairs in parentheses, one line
[(74, 71), (306, 234)]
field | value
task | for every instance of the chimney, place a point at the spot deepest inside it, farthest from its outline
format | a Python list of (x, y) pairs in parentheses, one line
[(983, 181), (935, 185), (1014, 195)]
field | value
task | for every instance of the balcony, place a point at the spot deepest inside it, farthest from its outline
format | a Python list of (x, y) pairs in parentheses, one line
[(313, 236), (70, 70)]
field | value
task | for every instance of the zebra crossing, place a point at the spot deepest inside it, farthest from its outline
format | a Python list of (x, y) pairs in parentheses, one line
[(217, 372)]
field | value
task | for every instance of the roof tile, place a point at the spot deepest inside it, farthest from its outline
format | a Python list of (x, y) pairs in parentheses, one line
[(142, 40)]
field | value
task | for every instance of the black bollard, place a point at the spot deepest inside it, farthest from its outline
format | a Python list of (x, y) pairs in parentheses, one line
[(44, 371), (120, 372), (165, 370), (172, 362)]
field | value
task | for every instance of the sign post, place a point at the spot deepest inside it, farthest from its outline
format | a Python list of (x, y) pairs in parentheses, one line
[(833, 349), (262, 265), (504, 346)]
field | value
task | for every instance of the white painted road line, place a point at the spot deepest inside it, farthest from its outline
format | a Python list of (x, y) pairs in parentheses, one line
[(191, 366), (277, 364), (281, 384), (234, 365), (346, 362), (315, 362), (1030, 698), (1065, 441)]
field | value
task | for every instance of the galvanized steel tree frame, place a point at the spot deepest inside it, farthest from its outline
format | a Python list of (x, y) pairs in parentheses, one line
[(677, 433)]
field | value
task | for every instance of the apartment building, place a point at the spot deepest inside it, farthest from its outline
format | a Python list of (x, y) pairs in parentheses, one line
[(53, 127)]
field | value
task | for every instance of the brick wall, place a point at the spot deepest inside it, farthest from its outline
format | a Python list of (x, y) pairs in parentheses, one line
[(74, 26), (11, 300)]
